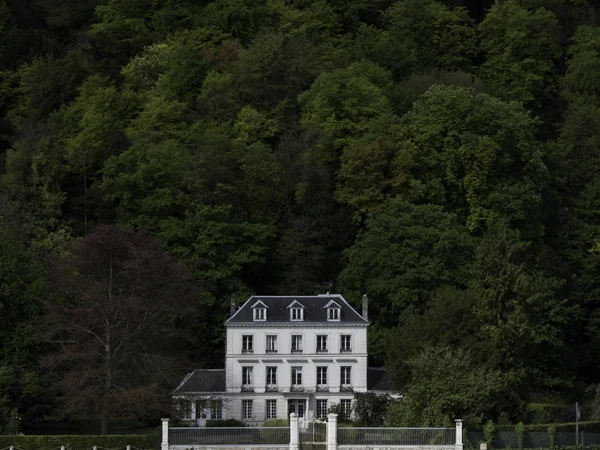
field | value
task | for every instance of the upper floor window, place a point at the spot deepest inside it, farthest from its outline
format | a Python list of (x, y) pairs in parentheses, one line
[(321, 343), (296, 376), (333, 311), (321, 376), (260, 311), (271, 376), (296, 343), (296, 311), (247, 377), (247, 344), (271, 344), (345, 376), (345, 344)]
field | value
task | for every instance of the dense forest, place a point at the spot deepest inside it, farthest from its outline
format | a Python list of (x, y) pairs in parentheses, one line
[(441, 156)]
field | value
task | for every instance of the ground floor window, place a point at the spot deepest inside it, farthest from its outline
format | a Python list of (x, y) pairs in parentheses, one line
[(346, 408), (216, 407), (271, 409), (321, 409), (184, 408), (247, 409)]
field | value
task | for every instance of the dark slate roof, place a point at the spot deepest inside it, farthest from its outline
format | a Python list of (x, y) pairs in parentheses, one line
[(376, 379), (202, 380), (314, 310)]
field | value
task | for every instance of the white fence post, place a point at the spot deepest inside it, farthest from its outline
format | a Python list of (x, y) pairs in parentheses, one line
[(459, 434), (11, 448), (165, 435), (332, 431), (294, 432), (62, 447), (95, 447), (128, 447)]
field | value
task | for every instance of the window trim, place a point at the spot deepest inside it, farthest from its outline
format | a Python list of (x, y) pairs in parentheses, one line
[(248, 402), (268, 402), (323, 414), (298, 371), (321, 338), (342, 349), (276, 340), (249, 350), (250, 371), (260, 314), (338, 313), (271, 370), (298, 350), (346, 370)]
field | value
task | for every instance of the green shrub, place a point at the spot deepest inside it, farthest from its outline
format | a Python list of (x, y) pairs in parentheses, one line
[(489, 431), (552, 435), (540, 413), (79, 442), (274, 436), (520, 429), (347, 437), (225, 423), (588, 427)]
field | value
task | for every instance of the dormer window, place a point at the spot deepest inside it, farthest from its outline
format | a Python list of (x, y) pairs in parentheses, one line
[(297, 314), (296, 311), (260, 314), (333, 311), (259, 311)]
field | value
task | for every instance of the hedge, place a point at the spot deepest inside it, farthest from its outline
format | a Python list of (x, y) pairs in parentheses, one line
[(78, 442), (589, 427)]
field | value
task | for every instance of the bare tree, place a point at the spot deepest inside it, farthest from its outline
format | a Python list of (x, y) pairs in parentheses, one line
[(117, 324)]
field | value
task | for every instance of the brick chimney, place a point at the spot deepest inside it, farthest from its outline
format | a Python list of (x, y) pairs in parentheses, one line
[(365, 307)]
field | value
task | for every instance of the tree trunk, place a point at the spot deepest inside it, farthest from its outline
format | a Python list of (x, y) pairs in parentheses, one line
[(104, 416)]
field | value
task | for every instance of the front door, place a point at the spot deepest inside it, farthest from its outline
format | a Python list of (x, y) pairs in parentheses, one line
[(298, 407)]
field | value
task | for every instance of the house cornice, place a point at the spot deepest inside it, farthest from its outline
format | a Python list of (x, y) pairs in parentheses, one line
[(296, 325)]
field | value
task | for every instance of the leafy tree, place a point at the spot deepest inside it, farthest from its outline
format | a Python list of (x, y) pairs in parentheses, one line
[(420, 36), (520, 47), (404, 254), (122, 303), (447, 384)]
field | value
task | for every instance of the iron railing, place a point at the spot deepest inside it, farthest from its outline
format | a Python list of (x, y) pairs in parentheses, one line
[(396, 436), (214, 436)]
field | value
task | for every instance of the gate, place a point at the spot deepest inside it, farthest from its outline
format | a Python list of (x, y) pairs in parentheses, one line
[(313, 436)]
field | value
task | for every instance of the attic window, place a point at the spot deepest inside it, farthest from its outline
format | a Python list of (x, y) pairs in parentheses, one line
[(259, 311), (333, 314), (260, 314), (297, 314), (296, 311)]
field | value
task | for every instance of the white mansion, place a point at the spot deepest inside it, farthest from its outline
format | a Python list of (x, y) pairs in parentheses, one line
[(285, 354)]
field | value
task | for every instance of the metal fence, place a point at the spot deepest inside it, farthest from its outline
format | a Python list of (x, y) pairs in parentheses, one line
[(508, 439), (207, 436), (396, 436)]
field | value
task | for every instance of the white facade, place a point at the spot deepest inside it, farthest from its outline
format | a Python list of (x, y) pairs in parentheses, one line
[(280, 361)]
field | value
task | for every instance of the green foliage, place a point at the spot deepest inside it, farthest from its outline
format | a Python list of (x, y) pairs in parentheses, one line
[(520, 46), (225, 423), (371, 409), (489, 431), (520, 429), (552, 435), (446, 385), (75, 442)]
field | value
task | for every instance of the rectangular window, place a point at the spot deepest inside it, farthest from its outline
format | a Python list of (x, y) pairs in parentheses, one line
[(216, 409), (321, 409), (333, 314), (260, 314), (321, 344), (271, 344), (345, 376), (247, 344), (296, 344), (271, 376), (246, 376), (297, 314), (345, 345), (346, 408), (321, 376), (296, 376), (247, 409), (185, 409), (271, 409)]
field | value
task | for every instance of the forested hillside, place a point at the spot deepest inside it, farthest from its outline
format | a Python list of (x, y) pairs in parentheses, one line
[(442, 157)]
